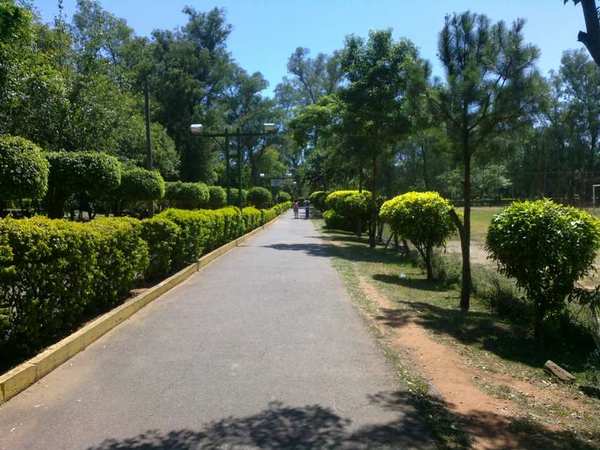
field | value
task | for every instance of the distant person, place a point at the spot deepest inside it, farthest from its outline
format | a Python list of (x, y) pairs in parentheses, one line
[(296, 208), (306, 209)]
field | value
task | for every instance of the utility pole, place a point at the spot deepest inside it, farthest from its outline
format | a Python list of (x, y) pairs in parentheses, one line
[(239, 163), (227, 168), (147, 118)]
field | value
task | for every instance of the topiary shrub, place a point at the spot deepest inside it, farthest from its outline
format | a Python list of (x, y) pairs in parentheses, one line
[(187, 195), (23, 169), (351, 210), (282, 197), (259, 197), (317, 199), (235, 197), (162, 237), (218, 197), (421, 217), (546, 248), (89, 175), (141, 185)]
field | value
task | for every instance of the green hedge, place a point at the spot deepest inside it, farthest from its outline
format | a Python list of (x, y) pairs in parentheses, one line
[(62, 272), (252, 218), (55, 274), (162, 236)]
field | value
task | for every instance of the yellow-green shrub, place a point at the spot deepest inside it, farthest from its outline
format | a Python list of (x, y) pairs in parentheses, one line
[(252, 218), (162, 236), (351, 210), (421, 217)]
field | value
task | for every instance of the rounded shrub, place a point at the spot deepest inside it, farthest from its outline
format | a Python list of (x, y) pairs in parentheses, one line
[(88, 174), (282, 197), (546, 247), (317, 199), (217, 197), (138, 184), (235, 196), (351, 209), (421, 217), (23, 169), (187, 195), (260, 197)]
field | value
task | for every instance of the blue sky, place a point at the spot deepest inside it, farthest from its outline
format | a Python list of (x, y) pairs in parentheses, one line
[(265, 32)]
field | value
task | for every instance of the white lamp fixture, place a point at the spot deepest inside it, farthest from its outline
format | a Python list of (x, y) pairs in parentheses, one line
[(269, 127), (196, 128)]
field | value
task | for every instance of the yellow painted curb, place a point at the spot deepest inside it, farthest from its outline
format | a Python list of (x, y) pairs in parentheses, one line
[(27, 373)]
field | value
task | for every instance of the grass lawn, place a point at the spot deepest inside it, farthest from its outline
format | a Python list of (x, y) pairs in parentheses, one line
[(493, 343)]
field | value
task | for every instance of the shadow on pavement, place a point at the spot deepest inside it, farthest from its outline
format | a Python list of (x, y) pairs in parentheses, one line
[(316, 427), (285, 427)]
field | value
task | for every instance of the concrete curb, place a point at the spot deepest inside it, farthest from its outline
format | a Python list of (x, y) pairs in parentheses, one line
[(27, 373)]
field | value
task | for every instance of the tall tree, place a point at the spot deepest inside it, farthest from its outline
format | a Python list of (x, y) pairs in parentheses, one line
[(382, 78), (591, 37), (490, 83)]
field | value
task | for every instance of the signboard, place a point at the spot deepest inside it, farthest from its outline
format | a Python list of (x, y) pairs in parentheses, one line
[(277, 182)]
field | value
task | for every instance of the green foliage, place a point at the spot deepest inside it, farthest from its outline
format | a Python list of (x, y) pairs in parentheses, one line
[(84, 173), (139, 184), (235, 197), (351, 209), (253, 218), (272, 213), (23, 169), (282, 197), (335, 221), (218, 197), (63, 272), (260, 197), (317, 199), (187, 195), (421, 217), (162, 237), (546, 247)]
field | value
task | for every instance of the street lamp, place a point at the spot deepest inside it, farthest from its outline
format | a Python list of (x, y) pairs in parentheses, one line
[(268, 128)]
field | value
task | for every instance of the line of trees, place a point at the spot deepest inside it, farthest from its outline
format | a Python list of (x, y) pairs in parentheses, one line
[(77, 84)]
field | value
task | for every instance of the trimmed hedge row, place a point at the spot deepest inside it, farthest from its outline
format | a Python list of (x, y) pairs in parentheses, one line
[(55, 274), (61, 272)]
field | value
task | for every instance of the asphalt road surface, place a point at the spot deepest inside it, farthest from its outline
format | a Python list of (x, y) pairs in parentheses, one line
[(261, 349)]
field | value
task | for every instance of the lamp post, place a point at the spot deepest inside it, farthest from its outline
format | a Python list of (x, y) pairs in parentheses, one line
[(198, 129)]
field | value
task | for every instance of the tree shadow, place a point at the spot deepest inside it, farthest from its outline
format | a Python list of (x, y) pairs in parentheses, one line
[(285, 427), (412, 283), (482, 329), (481, 428), (419, 417), (356, 252)]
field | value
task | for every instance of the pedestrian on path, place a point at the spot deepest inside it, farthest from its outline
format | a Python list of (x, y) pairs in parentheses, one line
[(296, 208), (306, 209)]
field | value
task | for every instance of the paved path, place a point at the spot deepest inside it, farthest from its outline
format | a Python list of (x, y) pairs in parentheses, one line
[(261, 349)]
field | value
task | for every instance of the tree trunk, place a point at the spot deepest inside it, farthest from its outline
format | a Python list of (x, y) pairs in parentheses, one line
[(428, 263), (465, 291), (591, 39), (374, 212)]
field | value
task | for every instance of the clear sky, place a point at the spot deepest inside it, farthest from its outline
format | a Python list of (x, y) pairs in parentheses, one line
[(265, 32)]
